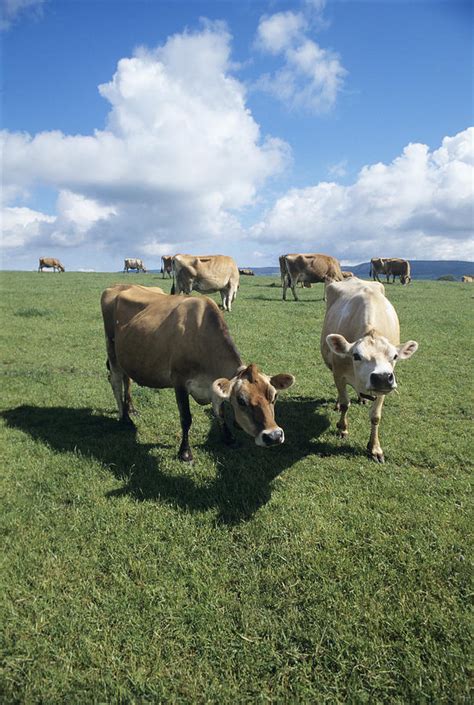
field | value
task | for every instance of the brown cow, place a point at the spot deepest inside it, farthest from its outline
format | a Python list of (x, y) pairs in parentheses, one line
[(309, 268), (398, 268), (163, 341), (360, 343), (167, 265), (50, 263), (206, 274), (133, 263), (377, 266), (247, 272)]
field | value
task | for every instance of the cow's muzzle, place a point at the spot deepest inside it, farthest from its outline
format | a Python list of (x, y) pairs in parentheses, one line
[(382, 382), (270, 438)]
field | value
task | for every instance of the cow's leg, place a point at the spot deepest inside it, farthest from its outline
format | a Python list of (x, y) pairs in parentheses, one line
[(127, 396), (293, 283), (182, 399), (374, 448), (342, 405), (285, 286)]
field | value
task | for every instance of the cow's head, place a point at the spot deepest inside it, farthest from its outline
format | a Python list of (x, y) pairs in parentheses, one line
[(253, 396), (405, 279), (373, 360)]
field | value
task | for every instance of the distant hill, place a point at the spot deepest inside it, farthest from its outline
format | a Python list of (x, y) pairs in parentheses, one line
[(420, 269)]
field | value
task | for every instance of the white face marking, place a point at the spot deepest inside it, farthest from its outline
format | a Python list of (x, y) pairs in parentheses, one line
[(373, 356)]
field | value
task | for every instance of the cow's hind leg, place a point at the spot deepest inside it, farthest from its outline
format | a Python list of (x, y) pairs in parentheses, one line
[(373, 447), (293, 283), (182, 400), (117, 380), (342, 405), (127, 396)]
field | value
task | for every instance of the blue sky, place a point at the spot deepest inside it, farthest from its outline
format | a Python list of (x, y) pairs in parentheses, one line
[(248, 128)]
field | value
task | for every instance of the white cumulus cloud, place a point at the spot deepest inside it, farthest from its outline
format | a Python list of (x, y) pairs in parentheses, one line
[(180, 155), (310, 77), (420, 205)]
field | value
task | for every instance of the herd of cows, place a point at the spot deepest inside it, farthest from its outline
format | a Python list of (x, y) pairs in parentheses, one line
[(163, 340)]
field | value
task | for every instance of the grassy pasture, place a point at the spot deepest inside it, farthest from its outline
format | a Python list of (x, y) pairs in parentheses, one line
[(300, 574)]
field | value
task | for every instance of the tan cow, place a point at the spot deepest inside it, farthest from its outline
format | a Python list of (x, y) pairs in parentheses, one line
[(309, 268), (360, 343), (347, 275), (133, 263), (206, 274), (467, 279), (281, 260), (398, 268), (247, 272), (163, 341), (377, 266), (50, 263), (167, 265)]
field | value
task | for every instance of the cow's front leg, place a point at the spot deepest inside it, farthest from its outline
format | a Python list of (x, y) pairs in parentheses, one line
[(373, 446), (182, 399), (342, 404)]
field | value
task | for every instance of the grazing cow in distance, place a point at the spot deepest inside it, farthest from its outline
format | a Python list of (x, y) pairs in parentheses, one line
[(360, 343), (347, 275), (133, 263), (309, 269), (167, 265), (50, 263), (398, 268), (467, 279), (163, 341), (247, 272), (206, 274), (377, 266)]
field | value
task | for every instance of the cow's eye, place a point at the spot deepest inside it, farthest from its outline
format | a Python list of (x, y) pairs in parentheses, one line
[(241, 401), (357, 357)]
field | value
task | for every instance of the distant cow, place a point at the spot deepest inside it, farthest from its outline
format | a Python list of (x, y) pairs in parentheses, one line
[(247, 272), (167, 265), (133, 263), (309, 269), (281, 260), (467, 279), (347, 275), (377, 266), (398, 268), (50, 263), (360, 343), (163, 341), (206, 274)]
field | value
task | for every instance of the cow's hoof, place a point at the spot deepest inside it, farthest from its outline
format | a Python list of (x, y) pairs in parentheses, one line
[(342, 434), (185, 455), (377, 456)]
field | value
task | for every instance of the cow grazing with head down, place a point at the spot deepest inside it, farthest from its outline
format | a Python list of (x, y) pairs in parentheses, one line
[(167, 265), (206, 274), (398, 268), (133, 263), (163, 341), (360, 343), (308, 269), (50, 263), (247, 272)]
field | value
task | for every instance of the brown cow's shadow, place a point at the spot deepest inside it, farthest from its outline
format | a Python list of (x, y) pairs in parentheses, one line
[(243, 481)]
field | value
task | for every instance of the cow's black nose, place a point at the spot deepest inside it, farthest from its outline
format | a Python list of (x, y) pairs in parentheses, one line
[(273, 437), (382, 380)]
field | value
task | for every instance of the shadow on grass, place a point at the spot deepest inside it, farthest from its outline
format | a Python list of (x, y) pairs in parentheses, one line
[(244, 475)]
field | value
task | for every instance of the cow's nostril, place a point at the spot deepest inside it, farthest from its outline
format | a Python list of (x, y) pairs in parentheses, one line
[(390, 378), (273, 437)]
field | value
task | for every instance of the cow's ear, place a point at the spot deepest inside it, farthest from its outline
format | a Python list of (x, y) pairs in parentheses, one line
[(338, 344), (221, 389), (282, 381), (407, 349)]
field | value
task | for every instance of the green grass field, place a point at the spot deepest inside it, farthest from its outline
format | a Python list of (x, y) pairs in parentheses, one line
[(299, 574)]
